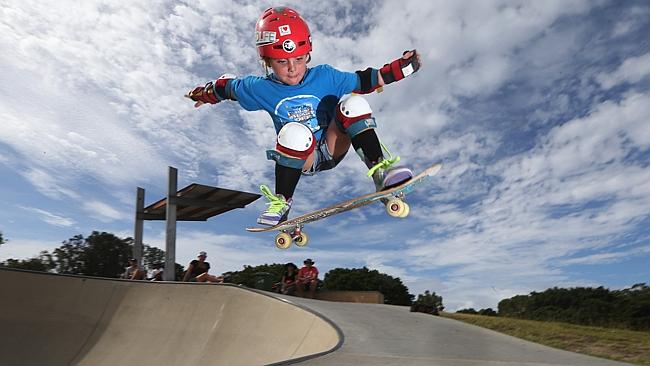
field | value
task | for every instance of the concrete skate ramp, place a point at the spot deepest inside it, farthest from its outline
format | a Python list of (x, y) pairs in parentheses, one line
[(50, 319), (392, 336)]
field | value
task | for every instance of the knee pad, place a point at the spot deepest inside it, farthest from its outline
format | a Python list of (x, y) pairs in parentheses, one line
[(353, 115), (294, 144)]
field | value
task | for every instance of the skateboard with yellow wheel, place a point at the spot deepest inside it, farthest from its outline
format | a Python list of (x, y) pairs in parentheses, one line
[(291, 231)]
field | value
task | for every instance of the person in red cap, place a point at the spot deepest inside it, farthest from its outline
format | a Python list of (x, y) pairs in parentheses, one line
[(315, 117), (307, 279)]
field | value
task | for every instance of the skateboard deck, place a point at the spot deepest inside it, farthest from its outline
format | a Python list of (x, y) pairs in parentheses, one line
[(291, 230)]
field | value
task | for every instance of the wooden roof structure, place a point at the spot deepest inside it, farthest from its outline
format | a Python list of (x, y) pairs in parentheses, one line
[(198, 202)]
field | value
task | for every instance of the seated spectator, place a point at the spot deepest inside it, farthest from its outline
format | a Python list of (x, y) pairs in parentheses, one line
[(307, 279), (133, 271), (157, 272), (288, 282), (198, 269)]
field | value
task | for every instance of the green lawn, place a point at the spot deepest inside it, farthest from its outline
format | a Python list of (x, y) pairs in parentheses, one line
[(615, 344)]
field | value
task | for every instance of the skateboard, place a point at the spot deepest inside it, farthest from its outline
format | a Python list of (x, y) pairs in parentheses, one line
[(393, 198)]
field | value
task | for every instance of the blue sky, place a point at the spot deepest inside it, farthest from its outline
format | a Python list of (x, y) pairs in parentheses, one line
[(538, 110)]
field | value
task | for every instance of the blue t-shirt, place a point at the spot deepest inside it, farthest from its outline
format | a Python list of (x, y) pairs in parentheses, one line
[(312, 102)]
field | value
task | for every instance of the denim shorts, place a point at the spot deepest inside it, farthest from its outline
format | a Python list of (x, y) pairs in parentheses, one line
[(323, 159)]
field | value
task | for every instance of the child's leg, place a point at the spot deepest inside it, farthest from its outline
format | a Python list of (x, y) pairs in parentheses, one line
[(295, 145), (368, 143), (293, 151), (312, 288), (354, 116), (338, 142), (286, 180)]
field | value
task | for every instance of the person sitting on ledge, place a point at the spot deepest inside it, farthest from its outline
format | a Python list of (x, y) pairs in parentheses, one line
[(288, 283), (133, 271), (198, 269), (307, 279)]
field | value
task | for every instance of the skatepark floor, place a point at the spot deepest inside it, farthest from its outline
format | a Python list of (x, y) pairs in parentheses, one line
[(49, 319)]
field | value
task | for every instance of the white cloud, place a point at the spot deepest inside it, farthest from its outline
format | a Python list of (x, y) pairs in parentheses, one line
[(630, 19), (50, 218), (103, 212), (632, 70)]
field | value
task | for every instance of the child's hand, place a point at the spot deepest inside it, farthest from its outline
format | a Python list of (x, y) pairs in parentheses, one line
[(202, 95), (409, 54), (409, 63), (197, 104)]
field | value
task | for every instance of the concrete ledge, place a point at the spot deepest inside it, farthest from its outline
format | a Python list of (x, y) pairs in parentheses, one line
[(366, 297)]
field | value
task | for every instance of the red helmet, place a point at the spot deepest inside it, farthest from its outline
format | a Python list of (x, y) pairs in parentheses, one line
[(282, 33)]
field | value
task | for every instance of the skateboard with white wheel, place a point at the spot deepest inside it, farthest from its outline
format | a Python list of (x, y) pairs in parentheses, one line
[(291, 231)]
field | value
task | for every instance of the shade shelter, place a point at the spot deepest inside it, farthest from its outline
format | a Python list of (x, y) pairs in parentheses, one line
[(196, 202)]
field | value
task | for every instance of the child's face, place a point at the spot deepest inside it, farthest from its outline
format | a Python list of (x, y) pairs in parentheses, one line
[(289, 70)]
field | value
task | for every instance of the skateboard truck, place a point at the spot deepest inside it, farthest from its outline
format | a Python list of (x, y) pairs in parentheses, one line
[(293, 235), (296, 232)]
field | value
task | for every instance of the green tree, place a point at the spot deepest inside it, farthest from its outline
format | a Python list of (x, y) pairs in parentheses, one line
[(2, 240), (429, 303), (152, 255), (363, 279), (69, 257), (106, 255), (42, 263), (100, 254), (628, 308), (249, 274), (487, 312), (471, 311)]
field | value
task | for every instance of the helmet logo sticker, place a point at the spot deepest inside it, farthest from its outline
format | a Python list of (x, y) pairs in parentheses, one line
[(265, 37), (288, 46), (285, 30)]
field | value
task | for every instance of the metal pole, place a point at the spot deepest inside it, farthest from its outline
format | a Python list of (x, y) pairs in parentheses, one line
[(170, 219), (137, 235)]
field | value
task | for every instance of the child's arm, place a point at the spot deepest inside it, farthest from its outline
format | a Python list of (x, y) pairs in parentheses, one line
[(371, 79), (213, 92), (400, 68)]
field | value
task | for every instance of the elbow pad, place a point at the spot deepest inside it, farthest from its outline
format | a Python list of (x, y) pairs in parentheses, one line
[(368, 81), (223, 88)]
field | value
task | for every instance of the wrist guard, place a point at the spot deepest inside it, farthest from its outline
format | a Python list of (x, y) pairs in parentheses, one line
[(214, 92), (400, 68)]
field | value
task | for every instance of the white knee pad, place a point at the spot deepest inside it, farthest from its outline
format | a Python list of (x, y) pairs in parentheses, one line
[(294, 145), (354, 115), (296, 137), (354, 106)]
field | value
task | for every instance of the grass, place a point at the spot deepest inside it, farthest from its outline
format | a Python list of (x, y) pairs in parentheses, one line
[(615, 344)]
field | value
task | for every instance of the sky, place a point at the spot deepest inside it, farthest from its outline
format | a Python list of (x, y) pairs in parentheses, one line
[(538, 111)]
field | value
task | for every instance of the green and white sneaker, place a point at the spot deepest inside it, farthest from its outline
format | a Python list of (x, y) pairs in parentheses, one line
[(278, 209), (386, 174)]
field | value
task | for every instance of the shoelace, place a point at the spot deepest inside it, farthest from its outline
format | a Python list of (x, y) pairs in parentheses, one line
[(384, 164), (276, 204)]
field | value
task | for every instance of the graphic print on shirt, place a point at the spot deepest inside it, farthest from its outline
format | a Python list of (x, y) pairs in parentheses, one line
[(299, 108)]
